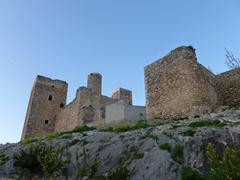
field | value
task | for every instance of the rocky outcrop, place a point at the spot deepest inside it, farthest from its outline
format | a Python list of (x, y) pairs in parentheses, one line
[(158, 151)]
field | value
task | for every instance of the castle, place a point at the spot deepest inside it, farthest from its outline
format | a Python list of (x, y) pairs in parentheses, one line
[(47, 110), (177, 86)]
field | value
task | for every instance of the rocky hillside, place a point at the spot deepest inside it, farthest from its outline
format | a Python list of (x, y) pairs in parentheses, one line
[(159, 150)]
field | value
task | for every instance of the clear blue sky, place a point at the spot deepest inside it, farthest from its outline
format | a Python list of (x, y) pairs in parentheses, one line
[(67, 39)]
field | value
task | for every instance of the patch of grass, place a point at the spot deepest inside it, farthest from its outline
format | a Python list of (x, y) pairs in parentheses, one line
[(121, 173), (82, 129), (141, 124), (40, 157), (177, 153), (65, 136), (190, 174), (3, 159), (189, 132), (52, 136), (149, 135), (166, 147), (175, 126), (28, 141), (206, 123), (108, 129), (58, 135), (122, 128)]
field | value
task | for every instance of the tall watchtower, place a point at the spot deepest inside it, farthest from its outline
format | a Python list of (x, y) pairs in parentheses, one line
[(95, 83), (47, 98)]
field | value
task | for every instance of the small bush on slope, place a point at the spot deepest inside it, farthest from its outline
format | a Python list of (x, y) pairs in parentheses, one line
[(190, 174), (226, 167), (177, 152), (40, 157)]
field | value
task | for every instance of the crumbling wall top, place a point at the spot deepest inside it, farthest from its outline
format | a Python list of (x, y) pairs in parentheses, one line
[(183, 53), (49, 81)]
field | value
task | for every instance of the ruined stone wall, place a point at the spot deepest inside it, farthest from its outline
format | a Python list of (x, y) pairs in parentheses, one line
[(123, 96), (86, 109), (47, 99), (177, 86), (228, 87), (67, 119)]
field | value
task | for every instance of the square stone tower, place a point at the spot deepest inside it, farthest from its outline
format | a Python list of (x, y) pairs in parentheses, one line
[(47, 98)]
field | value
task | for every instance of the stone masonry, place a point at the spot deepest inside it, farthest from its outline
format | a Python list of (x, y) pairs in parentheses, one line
[(177, 86), (48, 113), (48, 98)]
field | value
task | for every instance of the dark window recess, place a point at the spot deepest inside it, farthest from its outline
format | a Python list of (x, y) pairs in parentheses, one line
[(62, 105), (46, 121), (141, 114), (50, 98)]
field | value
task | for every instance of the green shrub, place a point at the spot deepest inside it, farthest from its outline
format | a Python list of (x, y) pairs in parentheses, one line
[(135, 153), (238, 116), (177, 153), (189, 132), (234, 106), (85, 168), (206, 123), (82, 129), (166, 147), (226, 166), (190, 174), (3, 159), (40, 157), (121, 173), (28, 141), (74, 141)]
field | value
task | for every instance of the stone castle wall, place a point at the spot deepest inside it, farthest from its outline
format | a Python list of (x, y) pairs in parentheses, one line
[(66, 120), (177, 86), (228, 87)]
